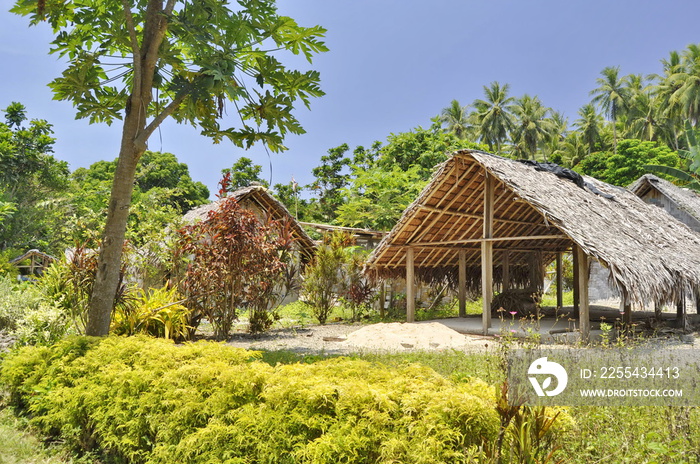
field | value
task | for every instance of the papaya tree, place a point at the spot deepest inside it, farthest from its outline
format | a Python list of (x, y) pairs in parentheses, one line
[(144, 61)]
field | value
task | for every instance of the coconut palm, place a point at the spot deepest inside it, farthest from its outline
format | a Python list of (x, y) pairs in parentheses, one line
[(532, 126), (687, 95), (611, 97), (589, 124), (455, 119), (493, 116)]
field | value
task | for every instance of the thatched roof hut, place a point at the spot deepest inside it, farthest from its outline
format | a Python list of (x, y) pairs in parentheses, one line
[(257, 199), (681, 203), (38, 262), (523, 214)]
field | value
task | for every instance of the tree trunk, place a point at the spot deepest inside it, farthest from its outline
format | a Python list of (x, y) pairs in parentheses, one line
[(109, 261)]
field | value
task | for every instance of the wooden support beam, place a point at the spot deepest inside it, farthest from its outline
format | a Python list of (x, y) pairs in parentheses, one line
[(505, 275), (410, 289), (582, 284), (560, 280), (462, 285), (680, 311), (490, 239), (487, 254), (577, 298), (463, 214), (626, 309)]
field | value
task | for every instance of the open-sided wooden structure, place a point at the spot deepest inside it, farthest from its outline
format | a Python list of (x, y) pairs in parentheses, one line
[(485, 220), (37, 263)]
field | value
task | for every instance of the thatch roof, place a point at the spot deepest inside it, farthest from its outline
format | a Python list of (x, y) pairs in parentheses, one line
[(258, 197), (683, 199), (649, 255)]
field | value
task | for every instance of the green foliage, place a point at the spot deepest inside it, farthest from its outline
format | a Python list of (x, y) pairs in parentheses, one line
[(377, 197), (19, 446), (629, 163), (335, 275), (142, 400), (29, 315), (32, 184), (157, 312), (68, 285), (243, 173)]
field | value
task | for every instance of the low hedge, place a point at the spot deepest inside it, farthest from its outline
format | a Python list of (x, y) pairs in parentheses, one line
[(143, 400)]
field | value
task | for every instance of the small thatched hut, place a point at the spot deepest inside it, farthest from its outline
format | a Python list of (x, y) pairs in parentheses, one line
[(257, 199), (33, 262), (681, 203), (484, 219)]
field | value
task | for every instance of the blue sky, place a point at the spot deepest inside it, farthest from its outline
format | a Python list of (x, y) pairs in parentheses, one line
[(392, 65)]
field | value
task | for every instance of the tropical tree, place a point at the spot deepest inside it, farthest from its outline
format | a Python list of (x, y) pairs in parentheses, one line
[(493, 115), (589, 124), (531, 127), (455, 119), (243, 173), (687, 78), (144, 61), (611, 97), (690, 177)]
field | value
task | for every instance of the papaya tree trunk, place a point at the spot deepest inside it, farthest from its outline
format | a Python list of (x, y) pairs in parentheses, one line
[(109, 261)]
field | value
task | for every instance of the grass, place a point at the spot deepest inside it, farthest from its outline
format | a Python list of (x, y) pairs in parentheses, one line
[(17, 446)]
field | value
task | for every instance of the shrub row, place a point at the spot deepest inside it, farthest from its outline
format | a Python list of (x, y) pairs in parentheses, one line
[(143, 400)]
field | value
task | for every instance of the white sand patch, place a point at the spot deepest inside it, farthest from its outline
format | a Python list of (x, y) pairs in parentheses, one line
[(398, 336)]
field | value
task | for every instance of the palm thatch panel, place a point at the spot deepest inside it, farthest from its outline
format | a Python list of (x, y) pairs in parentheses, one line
[(265, 206), (650, 258)]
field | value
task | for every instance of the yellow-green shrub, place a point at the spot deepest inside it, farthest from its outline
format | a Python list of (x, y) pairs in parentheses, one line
[(141, 400), (156, 312)]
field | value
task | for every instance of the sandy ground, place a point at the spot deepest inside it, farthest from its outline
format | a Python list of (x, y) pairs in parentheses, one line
[(342, 338)]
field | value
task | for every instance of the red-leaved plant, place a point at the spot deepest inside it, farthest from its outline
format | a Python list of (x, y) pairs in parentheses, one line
[(232, 262)]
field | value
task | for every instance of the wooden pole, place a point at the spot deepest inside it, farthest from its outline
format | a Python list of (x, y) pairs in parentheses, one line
[(560, 281), (680, 311), (626, 309), (410, 290), (582, 284), (487, 254), (577, 298), (462, 290), (506, 271)]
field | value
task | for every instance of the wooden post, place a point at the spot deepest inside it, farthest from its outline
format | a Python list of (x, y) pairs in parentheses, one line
[(506, 271), (626, 309), (582, 284), (560, 281), (410, 290), (577, 297), (487, 254), (462, 290), (680, 311)]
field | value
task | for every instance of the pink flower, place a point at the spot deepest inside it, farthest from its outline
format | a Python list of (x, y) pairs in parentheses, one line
[(513, 313), (513, 331)]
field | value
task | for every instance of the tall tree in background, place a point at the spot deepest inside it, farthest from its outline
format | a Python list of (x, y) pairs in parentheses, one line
[(32, 184), (687, 80), (494, 118), (589, 124), (243, 173), (531, 125), (455, 119), (611, 96), (147, 60)]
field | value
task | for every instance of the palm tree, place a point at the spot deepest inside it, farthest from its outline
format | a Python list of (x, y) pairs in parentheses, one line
[(589, 125), (669, 112), (574, 149), (532, 126), (493, 116), (456, 119), (611, 96), (558, 128), (687, 96)]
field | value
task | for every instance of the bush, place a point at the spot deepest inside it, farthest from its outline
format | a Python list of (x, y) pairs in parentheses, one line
[(146, 400), (156, 312)]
